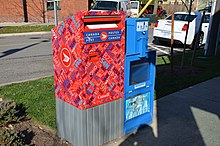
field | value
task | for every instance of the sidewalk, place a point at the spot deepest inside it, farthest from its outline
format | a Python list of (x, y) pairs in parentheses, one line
[(189, 117), (32, 24)]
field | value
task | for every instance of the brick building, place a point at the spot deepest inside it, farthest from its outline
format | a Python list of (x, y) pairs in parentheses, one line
[(37, 10)]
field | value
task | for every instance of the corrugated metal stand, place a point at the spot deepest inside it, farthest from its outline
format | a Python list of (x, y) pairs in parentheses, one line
[(90, 127)]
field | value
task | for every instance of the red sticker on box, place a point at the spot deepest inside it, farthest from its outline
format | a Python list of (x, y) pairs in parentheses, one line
[(65, 57)]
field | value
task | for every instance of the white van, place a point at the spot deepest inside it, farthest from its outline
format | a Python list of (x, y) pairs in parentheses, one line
[(102, 5), (134, 6)]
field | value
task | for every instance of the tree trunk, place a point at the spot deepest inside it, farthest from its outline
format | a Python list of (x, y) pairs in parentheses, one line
[(155, 6), (44, 11), (25, 11)]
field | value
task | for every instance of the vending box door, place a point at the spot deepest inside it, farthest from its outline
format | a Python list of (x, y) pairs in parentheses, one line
[(139, 91)]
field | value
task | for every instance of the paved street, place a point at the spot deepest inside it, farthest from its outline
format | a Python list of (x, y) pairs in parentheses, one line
[(30, 57), (25, 57)]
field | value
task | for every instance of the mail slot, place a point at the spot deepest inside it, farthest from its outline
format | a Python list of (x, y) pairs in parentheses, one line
[(99, 29), (139, 90)]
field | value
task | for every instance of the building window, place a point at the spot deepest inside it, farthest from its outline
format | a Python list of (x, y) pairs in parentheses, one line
[(50, 5)]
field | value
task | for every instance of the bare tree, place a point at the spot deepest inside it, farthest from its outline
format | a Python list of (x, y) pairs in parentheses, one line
[(184, 49), (30, 10), (15, 9), (38, 9), (155, 6)]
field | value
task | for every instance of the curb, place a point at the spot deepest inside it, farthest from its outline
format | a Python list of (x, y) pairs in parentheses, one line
[(25, 34), (22, 81)]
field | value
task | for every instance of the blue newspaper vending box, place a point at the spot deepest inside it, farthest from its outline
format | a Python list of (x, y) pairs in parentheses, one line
[(139, 77)]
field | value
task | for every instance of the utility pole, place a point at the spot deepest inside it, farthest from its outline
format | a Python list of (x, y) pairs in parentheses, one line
[(172, 40), (55, 13), (208, 50)]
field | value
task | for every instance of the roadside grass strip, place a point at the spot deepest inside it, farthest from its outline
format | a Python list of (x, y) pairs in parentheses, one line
[(21, 29)]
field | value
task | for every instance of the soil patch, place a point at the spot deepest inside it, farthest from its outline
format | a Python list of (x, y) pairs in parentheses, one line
[(37, 135)]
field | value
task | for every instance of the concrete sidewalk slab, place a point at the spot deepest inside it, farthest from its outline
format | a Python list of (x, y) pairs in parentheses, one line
[(188, 117)]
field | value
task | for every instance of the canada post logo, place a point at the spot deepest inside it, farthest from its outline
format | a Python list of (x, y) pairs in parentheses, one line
[(65, 57), (102, 36)]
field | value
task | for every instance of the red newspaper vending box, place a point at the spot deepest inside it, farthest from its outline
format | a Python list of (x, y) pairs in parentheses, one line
[(88, 58)]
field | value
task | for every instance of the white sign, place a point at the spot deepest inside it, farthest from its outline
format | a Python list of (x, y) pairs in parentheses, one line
[(139, 85), (142, 26)]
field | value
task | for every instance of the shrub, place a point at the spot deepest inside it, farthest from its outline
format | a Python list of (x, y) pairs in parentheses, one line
[(10, 137), (10, 112)]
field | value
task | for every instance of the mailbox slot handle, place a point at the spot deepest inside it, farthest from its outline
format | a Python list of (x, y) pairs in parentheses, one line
[(93, 57), (92, 23)]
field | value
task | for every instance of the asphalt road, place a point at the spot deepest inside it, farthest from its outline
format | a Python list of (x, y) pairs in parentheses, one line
[(29, 57), (25, 57)]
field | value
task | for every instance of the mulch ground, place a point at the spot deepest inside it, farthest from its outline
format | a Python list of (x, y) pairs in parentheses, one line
[(36, 135)]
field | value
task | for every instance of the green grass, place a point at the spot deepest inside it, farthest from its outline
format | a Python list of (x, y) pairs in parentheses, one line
[(20, 29), (38, 96), (202, 70)]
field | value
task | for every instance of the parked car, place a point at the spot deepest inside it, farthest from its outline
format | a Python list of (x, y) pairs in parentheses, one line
[(105, 5), (205, 28), (162, 30), (134, 7)]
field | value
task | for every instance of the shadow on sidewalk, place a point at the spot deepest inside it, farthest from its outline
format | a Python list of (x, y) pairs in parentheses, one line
[(188, 117)]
